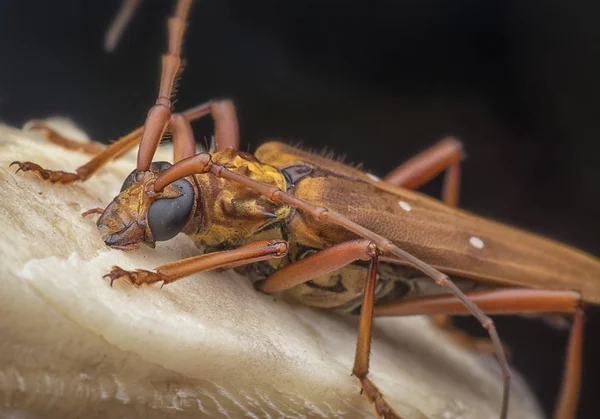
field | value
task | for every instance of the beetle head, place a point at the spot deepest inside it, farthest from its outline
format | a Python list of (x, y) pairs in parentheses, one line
[(141, 215)]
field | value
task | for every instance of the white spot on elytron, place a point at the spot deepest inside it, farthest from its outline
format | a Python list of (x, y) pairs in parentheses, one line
[(405, 206), (476, 242), (372, 176)]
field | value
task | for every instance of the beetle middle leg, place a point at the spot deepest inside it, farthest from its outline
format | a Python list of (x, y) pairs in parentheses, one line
[(327, 261), (320, 263)]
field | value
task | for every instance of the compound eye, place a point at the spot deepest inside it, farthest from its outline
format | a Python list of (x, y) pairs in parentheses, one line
[(129, 180), (160, 166), (168, 216)]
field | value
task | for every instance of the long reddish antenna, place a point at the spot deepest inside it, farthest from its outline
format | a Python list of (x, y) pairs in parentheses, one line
[(160, 114), (119, 23)]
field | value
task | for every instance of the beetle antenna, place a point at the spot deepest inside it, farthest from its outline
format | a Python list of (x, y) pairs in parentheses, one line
[(119, 23)]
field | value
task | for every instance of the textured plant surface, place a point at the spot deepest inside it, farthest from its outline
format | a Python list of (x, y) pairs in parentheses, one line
[(205, 346)]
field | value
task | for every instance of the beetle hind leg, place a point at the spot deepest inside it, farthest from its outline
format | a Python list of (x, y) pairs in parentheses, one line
[(445, 155), (514, 301)]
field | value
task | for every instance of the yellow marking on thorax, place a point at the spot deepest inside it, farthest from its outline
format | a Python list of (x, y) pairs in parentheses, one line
[(233, 214)]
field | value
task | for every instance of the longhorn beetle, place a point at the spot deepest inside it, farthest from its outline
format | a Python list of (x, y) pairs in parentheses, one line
[(329, 234)]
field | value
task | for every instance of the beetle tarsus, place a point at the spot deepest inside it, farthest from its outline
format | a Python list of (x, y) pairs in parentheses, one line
[(135, 278), (52, 176), (374, 395), (115, 274)]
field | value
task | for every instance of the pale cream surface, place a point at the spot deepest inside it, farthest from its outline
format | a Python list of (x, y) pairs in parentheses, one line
[(205, 346)]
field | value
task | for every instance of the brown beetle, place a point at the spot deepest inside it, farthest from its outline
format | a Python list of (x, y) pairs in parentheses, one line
[(331, 235)]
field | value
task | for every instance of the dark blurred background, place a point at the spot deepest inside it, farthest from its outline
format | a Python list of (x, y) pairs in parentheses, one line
[(375, 80)]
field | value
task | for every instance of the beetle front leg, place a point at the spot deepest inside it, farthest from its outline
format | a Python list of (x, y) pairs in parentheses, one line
[(327, 261), (120, 147), (82, 173), (253, 252)]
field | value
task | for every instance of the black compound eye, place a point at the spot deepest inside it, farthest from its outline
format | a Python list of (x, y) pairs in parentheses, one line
[(129, 180), (168, 216), (158, 166)]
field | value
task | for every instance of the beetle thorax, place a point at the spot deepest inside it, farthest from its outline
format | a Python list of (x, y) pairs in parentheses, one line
[(231, 213)]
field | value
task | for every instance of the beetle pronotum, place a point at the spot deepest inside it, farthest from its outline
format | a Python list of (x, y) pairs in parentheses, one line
[(300, 223)]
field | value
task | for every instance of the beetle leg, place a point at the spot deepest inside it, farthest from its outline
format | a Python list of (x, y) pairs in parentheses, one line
[(113, 151), (363, 345), (156, 122), (118, 148), (423, 167), (226, 126), (183, 138), (514, 301), (253, 252), (58, 139), (226, 129), (321, 263), (330, 260)]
